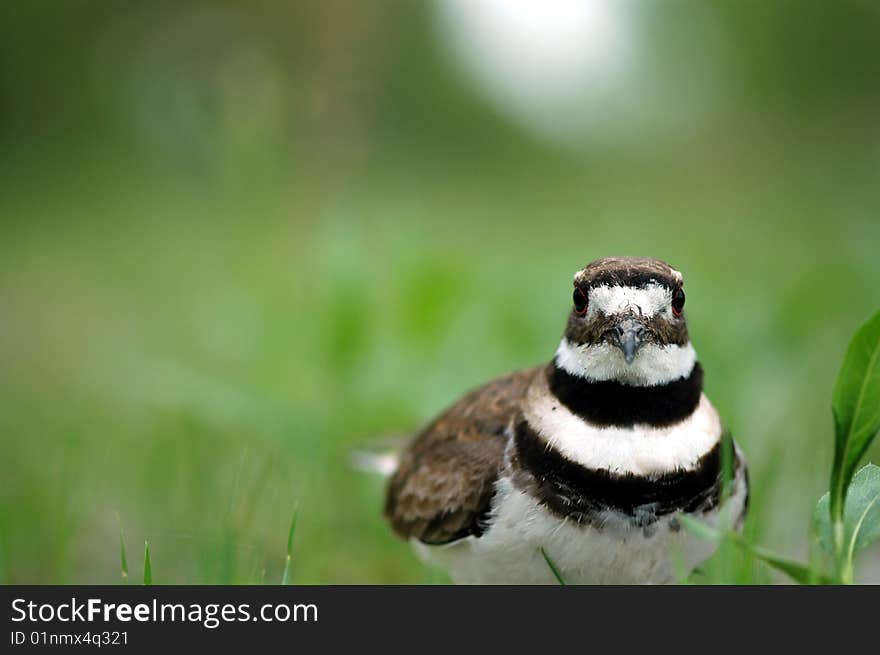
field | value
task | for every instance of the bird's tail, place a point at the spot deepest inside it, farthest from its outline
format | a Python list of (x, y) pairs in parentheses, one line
[(379, 457)]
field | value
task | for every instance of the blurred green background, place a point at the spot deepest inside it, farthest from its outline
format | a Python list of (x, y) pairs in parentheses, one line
[(240, 240)]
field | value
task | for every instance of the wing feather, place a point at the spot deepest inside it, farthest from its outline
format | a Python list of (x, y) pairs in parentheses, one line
[(442, 489)]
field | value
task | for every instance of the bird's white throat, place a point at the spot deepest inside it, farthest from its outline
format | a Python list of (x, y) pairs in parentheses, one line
[(653, 365)]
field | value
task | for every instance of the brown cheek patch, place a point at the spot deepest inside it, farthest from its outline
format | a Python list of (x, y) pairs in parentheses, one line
[(591, 332), (665, 332)]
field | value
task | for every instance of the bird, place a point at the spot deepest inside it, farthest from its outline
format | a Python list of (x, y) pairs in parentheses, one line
[(577, 471)]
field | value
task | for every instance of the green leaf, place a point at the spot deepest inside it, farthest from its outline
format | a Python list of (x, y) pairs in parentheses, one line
[(800, 573), (795, 570), (864, 496), (856, 406), (148, 566), (861, 512), (285, 576), (553, 569)]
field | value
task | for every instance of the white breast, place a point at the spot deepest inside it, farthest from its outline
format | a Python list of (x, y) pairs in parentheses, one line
[(510, 552)]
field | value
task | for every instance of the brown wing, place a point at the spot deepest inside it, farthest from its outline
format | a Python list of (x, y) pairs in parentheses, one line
[(444, 483)]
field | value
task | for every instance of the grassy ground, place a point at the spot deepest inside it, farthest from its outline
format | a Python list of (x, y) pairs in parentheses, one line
[(193, 359)]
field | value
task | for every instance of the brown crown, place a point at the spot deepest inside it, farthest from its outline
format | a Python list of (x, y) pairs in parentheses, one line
[(630, 271)]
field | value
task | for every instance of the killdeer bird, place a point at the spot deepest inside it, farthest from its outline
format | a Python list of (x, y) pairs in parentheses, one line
[(588, 459)]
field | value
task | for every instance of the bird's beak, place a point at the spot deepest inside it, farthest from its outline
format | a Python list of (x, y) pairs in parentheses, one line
[(628, 336)]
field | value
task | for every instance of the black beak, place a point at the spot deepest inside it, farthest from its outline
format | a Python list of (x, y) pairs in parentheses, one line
[(628, 336)]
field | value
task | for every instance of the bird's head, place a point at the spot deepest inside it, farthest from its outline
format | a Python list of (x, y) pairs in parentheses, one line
[(627, 323)]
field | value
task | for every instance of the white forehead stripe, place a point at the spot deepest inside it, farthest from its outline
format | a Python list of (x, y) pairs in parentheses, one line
[(654, 298), (653, 364)]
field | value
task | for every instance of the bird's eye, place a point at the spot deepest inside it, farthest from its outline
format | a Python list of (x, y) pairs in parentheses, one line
[(580, 302), (678, 301)]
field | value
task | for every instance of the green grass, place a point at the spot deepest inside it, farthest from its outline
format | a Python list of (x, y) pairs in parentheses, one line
[(288, 560), (148, 565), (198, 360), (123, 560), (553, 568)]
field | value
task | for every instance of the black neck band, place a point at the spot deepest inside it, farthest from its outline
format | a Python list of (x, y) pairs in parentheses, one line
[(613, 403), (585, 495)]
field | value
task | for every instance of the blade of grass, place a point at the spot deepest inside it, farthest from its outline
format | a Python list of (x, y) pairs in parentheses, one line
[(556, 573), (285, 577), (122, 558), (795, 570), (148, 566)]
